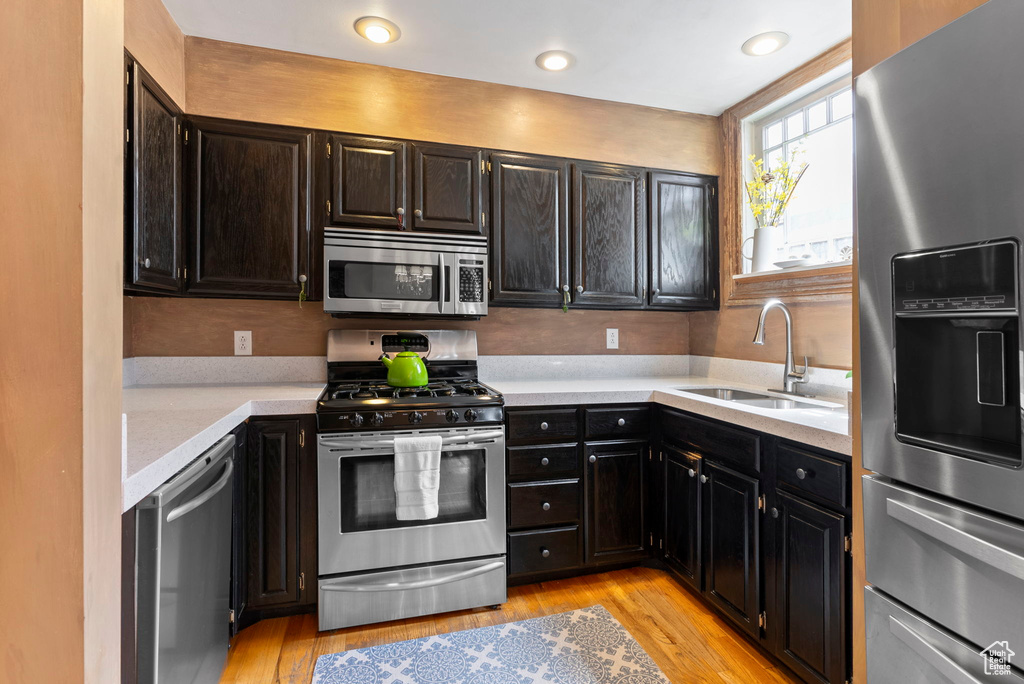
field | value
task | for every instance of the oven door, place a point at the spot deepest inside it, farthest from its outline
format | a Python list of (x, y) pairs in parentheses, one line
[(358, 528), (369, 279)]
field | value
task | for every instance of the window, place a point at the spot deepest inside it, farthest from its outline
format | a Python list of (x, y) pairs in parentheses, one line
[(817, 228)]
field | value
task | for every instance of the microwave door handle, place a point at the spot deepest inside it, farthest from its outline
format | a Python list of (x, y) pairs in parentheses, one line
[(441, 284)]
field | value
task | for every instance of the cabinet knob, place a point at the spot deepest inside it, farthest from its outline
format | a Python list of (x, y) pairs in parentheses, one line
[(400, 211), (620, 422), (418, 213), (693, 473), (545, 506), (544, 461), (703, 479), (544, 426), (656, 292), (146, 263), (593, 458), (775, 512), (579, 288), (544, 552), (302, 278), (801, 473)]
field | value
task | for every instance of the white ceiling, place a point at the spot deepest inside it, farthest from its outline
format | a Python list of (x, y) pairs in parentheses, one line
[(676, 54)]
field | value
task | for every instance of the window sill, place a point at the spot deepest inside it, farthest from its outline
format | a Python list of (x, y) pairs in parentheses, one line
[(806, 284)]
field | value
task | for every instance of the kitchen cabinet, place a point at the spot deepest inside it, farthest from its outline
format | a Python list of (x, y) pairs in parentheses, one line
[(447, 189), (682, 503), (154, 241), (367, 180), (614, 496), (250, 188), (281, 525), (529, 229), (683, 241), (609, 236)]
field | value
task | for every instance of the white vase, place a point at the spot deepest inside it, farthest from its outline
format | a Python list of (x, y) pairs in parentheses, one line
[(763, 253)]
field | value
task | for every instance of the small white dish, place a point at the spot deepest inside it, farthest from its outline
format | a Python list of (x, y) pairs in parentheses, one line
[(793, 263)]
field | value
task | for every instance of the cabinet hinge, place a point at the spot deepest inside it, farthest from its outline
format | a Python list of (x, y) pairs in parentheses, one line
[(848, 543), (231, 617), (650, 453), (302, 438), (328, 150), (483, 219), (762, 620), (127, 77), (328, 207), (488, 167), (483, 166), (186, 136), (179, 274), (490, 285), (186, 273), (302, 581), (179, 129), (760, 503), (661, 544), (643, 184), (127, 135), (651, 537)]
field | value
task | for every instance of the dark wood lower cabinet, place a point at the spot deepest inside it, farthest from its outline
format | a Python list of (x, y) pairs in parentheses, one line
[(614, 499), (683, 515)]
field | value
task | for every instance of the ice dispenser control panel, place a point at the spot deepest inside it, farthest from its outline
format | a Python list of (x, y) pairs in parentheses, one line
[(959, 279)]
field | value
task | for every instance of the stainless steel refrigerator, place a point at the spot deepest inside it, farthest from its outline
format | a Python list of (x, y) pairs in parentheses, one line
[(940, 220)]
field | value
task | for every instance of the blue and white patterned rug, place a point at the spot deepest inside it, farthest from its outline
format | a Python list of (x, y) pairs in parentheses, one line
[(585, 646)]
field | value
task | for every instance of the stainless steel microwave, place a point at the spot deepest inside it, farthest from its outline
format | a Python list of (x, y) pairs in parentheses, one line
[(420, 274)]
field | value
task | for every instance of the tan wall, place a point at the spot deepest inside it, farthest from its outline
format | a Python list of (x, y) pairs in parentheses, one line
[(163, 326), (153, 38)]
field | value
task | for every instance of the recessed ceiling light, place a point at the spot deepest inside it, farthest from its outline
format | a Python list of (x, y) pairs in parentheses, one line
[(765, 43), (377, 30), (555, 60)]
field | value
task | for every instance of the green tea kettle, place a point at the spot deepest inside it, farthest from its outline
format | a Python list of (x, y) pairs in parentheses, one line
[(406, 369)]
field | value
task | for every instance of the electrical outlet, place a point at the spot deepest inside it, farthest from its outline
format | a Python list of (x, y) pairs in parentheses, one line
[(612, 335), (243, 343)]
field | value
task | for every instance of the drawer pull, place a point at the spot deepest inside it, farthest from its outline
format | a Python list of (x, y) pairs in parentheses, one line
[(593, 458), (544, 426), (546, 506), (931, 655), (544, 552), (620, 422), (703, 479), (801, 473), (693, 473), (544, 461)]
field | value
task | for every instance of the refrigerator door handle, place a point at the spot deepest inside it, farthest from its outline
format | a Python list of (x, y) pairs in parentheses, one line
[(931, 655), (206, 495), (421, 584)]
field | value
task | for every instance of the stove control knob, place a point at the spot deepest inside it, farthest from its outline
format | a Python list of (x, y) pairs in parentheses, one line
[(452, 416), (358, 420), (470, 415), (415, 417), (377, 419)]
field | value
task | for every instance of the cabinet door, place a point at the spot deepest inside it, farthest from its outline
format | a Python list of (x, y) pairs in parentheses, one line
[(683, 514), (447, 190), (614, 501), (367, 181), (609, 235), (530, 231), (684, 245), (249, 196), (811, 590), (153, 192), (731, 568)]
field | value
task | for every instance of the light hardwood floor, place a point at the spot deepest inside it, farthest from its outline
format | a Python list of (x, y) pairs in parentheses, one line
[(686, 639)]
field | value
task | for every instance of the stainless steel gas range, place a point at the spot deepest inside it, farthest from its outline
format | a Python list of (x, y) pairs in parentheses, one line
[(372, 566)]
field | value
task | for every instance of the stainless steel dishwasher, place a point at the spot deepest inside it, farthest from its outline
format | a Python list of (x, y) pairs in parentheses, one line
[(184, 572)]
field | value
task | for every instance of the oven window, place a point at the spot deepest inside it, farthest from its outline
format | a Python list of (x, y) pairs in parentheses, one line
[(366, 280), (368, 491)]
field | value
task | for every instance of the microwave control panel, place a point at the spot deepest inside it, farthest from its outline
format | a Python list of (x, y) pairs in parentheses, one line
[(471, 283)]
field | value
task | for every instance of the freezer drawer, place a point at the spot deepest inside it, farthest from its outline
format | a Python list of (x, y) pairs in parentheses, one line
[(961, 568), (394, 594), (904, 648)]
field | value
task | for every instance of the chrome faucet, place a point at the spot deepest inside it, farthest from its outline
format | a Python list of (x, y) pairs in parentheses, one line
[(792, 377)]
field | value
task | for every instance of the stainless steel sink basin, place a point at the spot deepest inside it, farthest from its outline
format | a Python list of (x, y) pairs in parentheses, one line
[(758, 399)]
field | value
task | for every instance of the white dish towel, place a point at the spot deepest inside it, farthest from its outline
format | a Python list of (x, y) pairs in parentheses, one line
[(417, 476)]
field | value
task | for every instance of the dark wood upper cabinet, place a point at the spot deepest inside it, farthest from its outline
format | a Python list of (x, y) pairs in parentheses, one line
[(683, 515), (614, 501), (609, 235), (684, 235), (368, 180), (530, 229), (249, 214), (153, 186), (447, 189)]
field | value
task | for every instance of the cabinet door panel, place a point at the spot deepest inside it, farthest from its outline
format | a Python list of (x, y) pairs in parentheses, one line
[(367, 181), (447, 189), (731, 568), (614, 491), (154, 177), (812, 590), (683, 515), (249, 209), (684, 254), (609, 229), (530, 245)]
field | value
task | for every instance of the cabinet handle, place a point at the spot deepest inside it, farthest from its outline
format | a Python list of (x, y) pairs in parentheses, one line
[(693, 473), (544, 461), (593, 458), (418, 213), (703, 479), (801, 473), (579, 288), (146, 263), (775, 512), (544, 552), (620, 422), (546, 506), (544, 426)]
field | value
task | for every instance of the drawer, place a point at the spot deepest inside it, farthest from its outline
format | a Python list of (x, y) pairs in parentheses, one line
[(737, 447), (546, 462), (543, 503), (542, 425), (546, 551), (612, 423), (905, 648), (961, 567), (818, 476)]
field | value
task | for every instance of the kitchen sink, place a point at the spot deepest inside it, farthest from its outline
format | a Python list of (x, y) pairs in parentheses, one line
[(758, 399)]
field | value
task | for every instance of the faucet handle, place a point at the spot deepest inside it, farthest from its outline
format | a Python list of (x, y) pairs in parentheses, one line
[(799, 375)]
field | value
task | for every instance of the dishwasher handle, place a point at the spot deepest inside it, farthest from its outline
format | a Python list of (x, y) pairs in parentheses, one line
[(170, 490), (206, 495)]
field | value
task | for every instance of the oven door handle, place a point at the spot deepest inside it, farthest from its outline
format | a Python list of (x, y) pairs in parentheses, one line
[(359, 445), (342, 585)]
